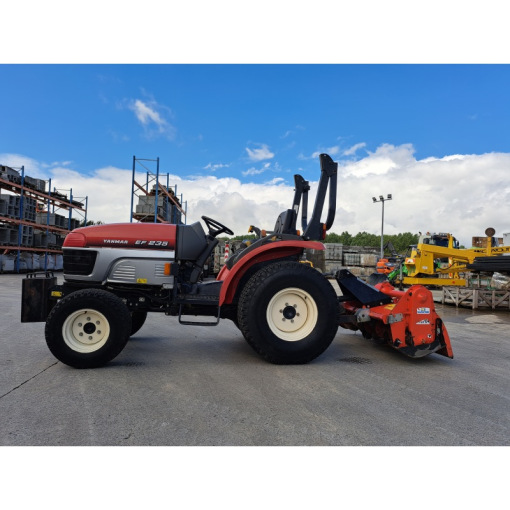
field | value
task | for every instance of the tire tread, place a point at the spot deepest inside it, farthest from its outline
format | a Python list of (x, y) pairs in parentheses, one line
[(119, 318), (246, 305)]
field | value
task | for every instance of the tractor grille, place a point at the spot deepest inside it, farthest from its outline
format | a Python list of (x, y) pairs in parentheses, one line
[(159, 271), (124, 273), (79, 262)]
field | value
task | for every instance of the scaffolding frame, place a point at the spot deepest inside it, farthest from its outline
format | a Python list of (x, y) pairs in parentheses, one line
[(53, 200), (154, 187)]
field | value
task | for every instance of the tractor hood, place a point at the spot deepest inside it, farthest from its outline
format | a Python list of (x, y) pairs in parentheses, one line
[(128, 235)]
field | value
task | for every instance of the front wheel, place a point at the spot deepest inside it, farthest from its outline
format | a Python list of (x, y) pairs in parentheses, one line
[(288, 313), (88, 328), (138, 319)]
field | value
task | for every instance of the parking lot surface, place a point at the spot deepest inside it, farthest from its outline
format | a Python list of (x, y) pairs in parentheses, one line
[(187, 385)]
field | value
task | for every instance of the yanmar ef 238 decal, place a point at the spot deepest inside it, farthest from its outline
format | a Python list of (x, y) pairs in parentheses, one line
[(154, 244)]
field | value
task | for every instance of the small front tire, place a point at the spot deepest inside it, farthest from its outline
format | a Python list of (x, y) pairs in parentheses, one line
[(88, 328)]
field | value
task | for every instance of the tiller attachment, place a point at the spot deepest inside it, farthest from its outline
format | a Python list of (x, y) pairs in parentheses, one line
[(406, 320)]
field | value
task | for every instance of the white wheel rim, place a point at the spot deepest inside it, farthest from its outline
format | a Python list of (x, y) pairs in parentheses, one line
[(292, 314), (86, 331)]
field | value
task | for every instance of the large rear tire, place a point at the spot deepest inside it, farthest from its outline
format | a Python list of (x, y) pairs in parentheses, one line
[(88, 328), (288, 313)]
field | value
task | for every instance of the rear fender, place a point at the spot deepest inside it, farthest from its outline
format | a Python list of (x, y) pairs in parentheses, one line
[(268, 252)]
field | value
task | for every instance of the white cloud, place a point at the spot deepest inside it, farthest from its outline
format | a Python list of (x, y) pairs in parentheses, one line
[(461, 194), (150, 115), (18, 160), (258, 171), (58, 163), (332, 151), (145, 113), (253, 171), (259, 154), (215, 167), (352, 150), (385, 158), (275, 181)]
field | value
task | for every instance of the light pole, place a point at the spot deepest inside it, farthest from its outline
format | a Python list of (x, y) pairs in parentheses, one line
[(382, 200)]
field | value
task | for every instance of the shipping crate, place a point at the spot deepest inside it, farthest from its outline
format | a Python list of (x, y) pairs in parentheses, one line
[(481, 242)]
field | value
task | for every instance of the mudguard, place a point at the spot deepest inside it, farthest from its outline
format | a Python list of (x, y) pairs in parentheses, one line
[(271, 251)]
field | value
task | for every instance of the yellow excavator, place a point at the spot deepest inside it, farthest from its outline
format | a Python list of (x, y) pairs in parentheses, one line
[(438, 260)]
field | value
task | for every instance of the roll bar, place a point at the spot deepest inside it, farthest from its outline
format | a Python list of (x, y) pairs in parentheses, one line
[(315, 229)]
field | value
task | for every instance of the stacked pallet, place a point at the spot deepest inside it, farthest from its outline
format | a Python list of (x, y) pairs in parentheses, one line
[(481, 242), (9, 174), (166, 209), (30, 261), (29, 209), (359, 260), (8, 235), (9, 206), (52, 219)]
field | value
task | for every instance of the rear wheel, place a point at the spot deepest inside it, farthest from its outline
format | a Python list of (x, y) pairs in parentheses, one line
[(88, 328), (288, 313)]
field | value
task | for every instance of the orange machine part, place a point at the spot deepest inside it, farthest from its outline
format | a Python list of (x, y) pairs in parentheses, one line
[(409, 323)]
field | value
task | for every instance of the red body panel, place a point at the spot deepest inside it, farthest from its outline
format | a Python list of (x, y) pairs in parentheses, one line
[(125, 235), (270, 251)]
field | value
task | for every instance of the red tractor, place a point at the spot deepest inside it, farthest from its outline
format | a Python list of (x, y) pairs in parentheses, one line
[(287, 311)]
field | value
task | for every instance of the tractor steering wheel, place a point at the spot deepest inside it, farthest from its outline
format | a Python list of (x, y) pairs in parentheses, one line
[(215, 227)]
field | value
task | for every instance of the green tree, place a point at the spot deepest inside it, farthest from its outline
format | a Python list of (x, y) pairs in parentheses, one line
[(366, 239), (343, 238), (90, 222), (333, 238), (400, 242)]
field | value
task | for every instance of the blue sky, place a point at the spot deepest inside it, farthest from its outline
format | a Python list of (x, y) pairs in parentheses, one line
[(232, 136), (323, 76), (253, 122)]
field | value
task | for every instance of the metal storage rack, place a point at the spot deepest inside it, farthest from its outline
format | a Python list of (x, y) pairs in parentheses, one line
[(157, 202), (29, 217)]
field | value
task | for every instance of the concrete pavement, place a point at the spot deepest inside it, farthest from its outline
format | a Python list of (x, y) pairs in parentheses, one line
[(182, 385)]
